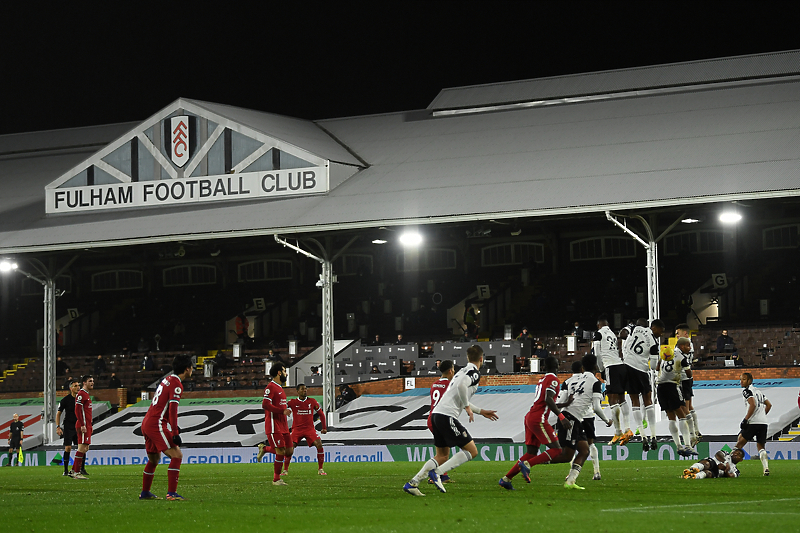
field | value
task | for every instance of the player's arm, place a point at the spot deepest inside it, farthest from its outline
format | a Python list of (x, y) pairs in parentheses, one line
[(550, 400), (58, 419), (751, 408), (597, 397), (564, 397), (596, 344), (462, 390), (322, 417), (767, 406), (654, 353), (80, 414), (267, 405)]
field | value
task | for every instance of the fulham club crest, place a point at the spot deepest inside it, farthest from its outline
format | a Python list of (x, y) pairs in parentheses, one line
[(179, 140)]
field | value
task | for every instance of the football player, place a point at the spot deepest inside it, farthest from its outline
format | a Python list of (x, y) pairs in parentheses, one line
[(721, 465), (669, 393), (687, 383), (304, 409), (754, 425), (640, 352), (161, 432), (447, 430)]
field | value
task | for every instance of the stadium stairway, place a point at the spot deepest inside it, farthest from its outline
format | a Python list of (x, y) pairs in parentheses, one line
[(793, 434)]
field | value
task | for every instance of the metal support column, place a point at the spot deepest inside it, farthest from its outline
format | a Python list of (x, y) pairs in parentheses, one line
[(328, 386), (49, 334)]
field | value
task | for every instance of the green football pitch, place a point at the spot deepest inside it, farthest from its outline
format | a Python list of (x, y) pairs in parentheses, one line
[(644, 496)]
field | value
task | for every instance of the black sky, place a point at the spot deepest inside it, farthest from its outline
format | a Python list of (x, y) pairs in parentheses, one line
[(83, 64)]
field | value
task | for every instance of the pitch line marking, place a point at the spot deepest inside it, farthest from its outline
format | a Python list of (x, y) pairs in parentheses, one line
[(671, 507)]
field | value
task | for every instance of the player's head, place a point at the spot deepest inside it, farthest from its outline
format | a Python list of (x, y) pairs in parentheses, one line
[(657, 327), (577, 367), (16, 417), (602, 321), (684, 344), (589, 362), (551, 364), (74, 386), (182, 364), (746, 380), (641, 322), (447, 369), (737, 456), (87, 382), (278, 369), (682, 330), (302, 391), (475, 355)]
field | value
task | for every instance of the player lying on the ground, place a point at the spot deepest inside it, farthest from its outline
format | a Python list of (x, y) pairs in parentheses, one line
[(721, 465)]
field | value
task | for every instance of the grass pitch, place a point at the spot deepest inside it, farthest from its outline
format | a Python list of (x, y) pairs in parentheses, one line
[(632, 496)]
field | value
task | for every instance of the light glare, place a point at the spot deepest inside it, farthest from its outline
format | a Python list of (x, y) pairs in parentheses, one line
[(7, 266), (729, 217), (410, 239), (378, 241)]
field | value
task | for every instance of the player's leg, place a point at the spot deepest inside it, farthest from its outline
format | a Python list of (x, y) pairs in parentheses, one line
[(148, 474), (625, 421), (77, 463), (582, 447), (13, 456), (546, 435), (83, 463), (613, 401), (595, 458), (320, 456), (287, 455), (761, 440), (173, 472), (67, 452), (276, 440)]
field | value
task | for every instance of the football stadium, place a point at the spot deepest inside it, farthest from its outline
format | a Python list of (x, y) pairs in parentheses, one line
[(230, 319)]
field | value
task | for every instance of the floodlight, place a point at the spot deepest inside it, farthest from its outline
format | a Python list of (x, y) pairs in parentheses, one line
[(730, 217), (411, 238)]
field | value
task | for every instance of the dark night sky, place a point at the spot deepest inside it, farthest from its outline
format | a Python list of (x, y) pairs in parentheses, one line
[(71, 66)]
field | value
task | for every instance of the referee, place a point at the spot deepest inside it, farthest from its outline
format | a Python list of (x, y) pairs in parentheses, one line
[(15, 435), (67, 428)]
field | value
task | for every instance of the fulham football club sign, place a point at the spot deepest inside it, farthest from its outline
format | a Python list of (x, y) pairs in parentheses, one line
[(179, 140)]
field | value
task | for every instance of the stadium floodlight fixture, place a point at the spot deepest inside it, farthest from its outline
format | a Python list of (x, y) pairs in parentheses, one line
[(7, 266), (730, 217), (690, 220), (410, 238), (379, 241)]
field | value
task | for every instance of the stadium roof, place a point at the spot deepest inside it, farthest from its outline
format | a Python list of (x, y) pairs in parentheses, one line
[(699, 132)]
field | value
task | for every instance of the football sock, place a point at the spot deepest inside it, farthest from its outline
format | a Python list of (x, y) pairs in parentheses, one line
[(277, 466), (693, 414), (764, 459), (147, 476), (595, 458), (85, 459), (615, 419), (625, 420), (698, 466), (673, 430), (321, 458), (574, 472), (545, 457), (690, 423), (78, 462), (700, 475), (454, 462), (173, 472), (684, 426), (650, 413), (429, 465), (286, 460), (66, 461), (12, 458), (515, 469), (636, 411)]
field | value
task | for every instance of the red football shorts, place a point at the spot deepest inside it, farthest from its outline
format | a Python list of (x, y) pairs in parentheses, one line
[(538, 432), (311, 436), (85, 438), (279, 440), (157, 439)]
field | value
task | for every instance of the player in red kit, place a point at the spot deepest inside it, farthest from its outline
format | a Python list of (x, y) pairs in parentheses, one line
[(538, 430), (160, 430), (303, 411), (275, 424), (83, 427)]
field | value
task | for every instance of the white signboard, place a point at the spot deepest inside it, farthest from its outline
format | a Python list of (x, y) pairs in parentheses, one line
[(242, 186)]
